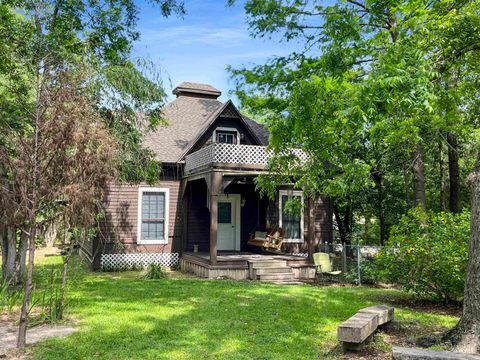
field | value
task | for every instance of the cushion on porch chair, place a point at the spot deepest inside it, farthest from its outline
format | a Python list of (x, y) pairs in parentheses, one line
[(323, 264), (258, 238), (260, 235)]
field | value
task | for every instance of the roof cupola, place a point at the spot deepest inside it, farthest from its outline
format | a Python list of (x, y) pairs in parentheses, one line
[(196, 90)]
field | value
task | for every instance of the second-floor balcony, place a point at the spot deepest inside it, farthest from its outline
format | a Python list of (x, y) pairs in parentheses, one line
[(220, 155)]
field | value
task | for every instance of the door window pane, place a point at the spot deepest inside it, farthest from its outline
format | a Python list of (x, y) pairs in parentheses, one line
[(224, 212)]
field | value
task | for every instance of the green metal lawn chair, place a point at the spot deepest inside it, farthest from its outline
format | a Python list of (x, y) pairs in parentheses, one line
[(323, 266)]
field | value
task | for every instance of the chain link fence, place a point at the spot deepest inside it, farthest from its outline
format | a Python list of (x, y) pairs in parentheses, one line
[(355, 261)]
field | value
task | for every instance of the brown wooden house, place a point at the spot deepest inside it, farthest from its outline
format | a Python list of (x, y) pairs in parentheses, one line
[(205, 200)]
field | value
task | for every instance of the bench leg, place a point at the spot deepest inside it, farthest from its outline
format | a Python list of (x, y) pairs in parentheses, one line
[(349, 346)]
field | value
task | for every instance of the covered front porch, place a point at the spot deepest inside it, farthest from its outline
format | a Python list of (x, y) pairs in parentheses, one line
[(222, 210)]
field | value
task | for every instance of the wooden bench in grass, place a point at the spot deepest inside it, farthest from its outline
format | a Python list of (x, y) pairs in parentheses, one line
[(358, 330)]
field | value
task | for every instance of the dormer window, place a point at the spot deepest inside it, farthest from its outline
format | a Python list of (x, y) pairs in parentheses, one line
[(226, 135)]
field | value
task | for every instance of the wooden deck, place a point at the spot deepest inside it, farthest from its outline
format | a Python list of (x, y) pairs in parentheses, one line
[(241, 265)]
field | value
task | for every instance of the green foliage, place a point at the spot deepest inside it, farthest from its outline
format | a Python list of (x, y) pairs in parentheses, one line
[(9, 298), (48, 300), (154, 272), (53, 36), (428, 254), (373, 82)]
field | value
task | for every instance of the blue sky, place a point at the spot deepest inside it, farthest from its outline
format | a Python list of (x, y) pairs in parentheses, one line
[(199, 46)]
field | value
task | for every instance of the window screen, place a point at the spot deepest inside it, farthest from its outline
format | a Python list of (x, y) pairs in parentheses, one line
[(226, 137), (291, 223), (153, 216)]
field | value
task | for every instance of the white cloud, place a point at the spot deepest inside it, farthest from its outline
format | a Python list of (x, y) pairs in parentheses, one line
[(193, 34)]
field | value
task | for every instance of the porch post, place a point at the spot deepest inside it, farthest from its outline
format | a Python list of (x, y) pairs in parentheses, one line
[(311, 227), (216, 183)]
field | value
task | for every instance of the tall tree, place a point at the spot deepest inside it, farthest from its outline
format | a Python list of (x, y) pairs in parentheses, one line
[(373, 78), (453, 173), (466, 336), (355, 46), (41, 37)]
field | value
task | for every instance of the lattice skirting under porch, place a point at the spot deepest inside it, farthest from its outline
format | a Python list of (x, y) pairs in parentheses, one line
[(110, 262), (304, 255)]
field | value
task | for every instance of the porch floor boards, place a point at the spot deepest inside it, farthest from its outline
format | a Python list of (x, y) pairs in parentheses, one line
[(244, 256), (248, 266)]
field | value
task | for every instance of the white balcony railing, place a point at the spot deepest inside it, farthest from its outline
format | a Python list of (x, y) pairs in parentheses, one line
[(219, 153)]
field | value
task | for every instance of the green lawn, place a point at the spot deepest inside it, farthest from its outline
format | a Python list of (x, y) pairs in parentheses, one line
[(120, 316)]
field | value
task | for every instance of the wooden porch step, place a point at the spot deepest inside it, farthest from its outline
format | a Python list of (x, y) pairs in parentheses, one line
[(273, 270), (277, 276), (268, 264), (283, 282)]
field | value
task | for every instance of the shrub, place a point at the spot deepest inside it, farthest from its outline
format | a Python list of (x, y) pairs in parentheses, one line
[(9, 298), (428, 254), (154, 272), (369, 271)]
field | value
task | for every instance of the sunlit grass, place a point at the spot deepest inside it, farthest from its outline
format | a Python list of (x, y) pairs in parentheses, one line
[(121, 316)]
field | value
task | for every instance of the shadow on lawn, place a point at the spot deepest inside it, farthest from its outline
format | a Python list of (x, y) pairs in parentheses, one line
[(196, 319)]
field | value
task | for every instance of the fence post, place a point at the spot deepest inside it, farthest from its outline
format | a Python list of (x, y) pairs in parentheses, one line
[(344, 259), (358, 265)]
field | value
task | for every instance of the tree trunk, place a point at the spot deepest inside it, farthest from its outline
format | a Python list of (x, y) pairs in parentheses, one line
[(64, 282), (50, 233), (466, 336), (23, 323), (21, 258), (418, 173), (378, 179), (343, 224), (9, 252), (453, 172), (32, 218), (4, 246), (441, 181)]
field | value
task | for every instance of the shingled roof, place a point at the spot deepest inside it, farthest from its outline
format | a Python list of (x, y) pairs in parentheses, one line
[(194, 109)]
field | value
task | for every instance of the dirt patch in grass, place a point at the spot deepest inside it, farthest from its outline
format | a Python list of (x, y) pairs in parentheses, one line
[(9, 332), (420, 305), (397, 333)]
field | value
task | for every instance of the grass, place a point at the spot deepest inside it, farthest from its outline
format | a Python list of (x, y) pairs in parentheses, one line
[(122, 316)]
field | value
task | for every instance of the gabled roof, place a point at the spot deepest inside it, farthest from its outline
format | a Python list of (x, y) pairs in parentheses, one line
[(189, 116), (227, 108)]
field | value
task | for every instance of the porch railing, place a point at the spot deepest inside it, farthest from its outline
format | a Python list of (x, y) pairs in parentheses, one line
[(220, 153)]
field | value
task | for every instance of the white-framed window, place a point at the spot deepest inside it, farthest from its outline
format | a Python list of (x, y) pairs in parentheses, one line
[(292, 224), (152, 227), (226, 135)]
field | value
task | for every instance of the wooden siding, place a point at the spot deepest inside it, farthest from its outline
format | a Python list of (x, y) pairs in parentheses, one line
[(198, 217), (323, 217), (118, 230)]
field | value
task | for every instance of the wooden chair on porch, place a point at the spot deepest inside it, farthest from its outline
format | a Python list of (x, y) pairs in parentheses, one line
[(268, 240)]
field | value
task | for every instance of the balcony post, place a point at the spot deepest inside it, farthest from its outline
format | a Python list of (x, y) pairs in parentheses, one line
[(215, 188)]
